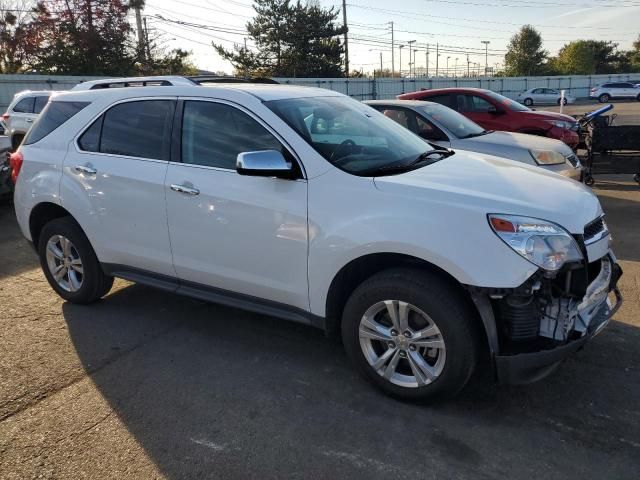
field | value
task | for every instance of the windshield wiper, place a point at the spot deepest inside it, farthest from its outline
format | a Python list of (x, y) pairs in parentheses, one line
[(426, 158), (479, 134)]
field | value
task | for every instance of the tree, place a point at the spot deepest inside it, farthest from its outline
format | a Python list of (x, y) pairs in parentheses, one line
[(525, 55), (17, 42), (174, 62), (589, 57), (83, 37), (292, 40)]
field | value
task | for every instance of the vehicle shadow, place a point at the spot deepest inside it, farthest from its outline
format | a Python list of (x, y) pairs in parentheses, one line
[(621, 215), (221, 393), (16, 255)]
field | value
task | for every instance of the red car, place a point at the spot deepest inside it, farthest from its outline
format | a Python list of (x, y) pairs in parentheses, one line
[(493, 111)]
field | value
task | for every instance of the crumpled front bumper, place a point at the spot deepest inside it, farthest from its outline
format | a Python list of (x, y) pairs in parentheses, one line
[(595, 311)]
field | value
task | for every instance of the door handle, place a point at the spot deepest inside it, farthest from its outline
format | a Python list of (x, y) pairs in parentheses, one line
[(183, 189), (29, 120), (85, 169)]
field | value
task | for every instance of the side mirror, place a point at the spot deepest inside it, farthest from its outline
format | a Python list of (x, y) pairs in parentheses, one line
[(264, 163)]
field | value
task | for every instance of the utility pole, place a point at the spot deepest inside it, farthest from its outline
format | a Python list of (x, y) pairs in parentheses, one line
[(486, 56), (437, 57), (410, 42), (146, 39), (427, 62), (415, 63), (448, 65), (393, 61), (455, 70), (468, 72), (141, 50), (346, 38), (245, 43), (380, 63), (400, 47)]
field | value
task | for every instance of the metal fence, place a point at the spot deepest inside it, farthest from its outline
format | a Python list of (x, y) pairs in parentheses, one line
[(385, 88), (360, 88), (12, 84)]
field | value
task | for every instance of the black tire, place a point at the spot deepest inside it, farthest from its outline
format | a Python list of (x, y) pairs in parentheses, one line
[(528, 102), (95, 284), (443, 303), (16, 140), (605, 97), (638, 98), (564, 101), (589, 181)]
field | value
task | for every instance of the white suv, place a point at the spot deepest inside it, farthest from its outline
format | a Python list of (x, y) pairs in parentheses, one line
[(305, 204), (21, 113), (607, 91)]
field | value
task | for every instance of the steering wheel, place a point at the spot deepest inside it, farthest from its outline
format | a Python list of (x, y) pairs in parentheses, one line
[(347, 143)]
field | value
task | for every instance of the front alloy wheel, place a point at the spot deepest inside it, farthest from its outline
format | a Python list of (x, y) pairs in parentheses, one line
[(412, 333), (402, 343)]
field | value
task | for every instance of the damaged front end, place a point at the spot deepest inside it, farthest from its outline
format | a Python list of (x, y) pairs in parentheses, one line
[(534, 327)]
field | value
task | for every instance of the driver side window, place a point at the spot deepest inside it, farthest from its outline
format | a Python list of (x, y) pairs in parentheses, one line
[(213, 134), (477, 104)]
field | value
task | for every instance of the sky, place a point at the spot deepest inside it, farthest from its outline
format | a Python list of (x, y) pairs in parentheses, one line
[(453, 28)]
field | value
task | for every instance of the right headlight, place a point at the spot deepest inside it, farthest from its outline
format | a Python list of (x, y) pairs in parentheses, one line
[(543, 243)]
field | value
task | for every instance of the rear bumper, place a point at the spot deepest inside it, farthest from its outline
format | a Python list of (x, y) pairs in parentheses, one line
[(530, 367)]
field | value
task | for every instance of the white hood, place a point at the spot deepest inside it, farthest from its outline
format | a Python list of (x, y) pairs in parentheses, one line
[(497, 185)]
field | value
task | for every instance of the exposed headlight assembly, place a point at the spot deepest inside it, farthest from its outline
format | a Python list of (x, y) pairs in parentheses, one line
[(543, 243), (547, 157)]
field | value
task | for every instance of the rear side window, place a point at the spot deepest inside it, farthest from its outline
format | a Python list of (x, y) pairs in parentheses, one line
[(441, 99), (134, 129), (40, 103), (53, 115), (25, 105)]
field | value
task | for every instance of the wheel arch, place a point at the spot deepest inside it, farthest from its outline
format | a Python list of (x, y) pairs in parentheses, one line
[(361, 268), (42, 214)]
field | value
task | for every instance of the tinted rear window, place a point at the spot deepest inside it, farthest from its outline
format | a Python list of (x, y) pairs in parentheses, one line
[(53, 115), (25, 105), (40, 103)]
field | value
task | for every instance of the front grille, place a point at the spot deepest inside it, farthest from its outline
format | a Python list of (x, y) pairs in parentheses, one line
[(573, 160), (594, 228)]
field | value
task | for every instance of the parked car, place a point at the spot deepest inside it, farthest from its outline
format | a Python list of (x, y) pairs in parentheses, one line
[(446, 127), (609, 90), (309, 205), (544, 96), (493, 111), (21, 113)]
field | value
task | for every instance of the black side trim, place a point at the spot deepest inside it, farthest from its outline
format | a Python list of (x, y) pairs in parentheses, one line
[(215, 295)]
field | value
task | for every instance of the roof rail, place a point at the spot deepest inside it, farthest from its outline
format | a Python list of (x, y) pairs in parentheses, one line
[(200, 79)]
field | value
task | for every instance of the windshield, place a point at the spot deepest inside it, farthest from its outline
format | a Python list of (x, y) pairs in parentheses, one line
[(507, 102), (352, 136), (456, 123)]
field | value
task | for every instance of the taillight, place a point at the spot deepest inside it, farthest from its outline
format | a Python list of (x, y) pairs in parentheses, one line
[(5, 116), (593, 90), (15, 162)]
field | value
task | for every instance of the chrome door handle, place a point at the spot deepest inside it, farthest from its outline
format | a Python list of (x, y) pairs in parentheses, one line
[(85, 169), (29, 120), (182, 189)]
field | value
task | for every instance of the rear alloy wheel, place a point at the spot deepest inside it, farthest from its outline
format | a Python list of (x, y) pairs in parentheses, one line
[(411, 333), (528, 102), (70, 264), (604, 98)]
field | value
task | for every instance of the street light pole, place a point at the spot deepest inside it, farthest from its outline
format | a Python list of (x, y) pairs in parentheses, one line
[(427, 62), (437, 57), (415, 63), (410, 42), (400, 47), (486, 56), (393, 62), (455, 70), (448, 66)]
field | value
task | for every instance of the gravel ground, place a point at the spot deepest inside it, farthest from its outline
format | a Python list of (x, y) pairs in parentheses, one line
[(149, 385)]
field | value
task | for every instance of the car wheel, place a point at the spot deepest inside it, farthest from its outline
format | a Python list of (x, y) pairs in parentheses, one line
[(563, 100), (638, 97), (528, 102), (604, 98), (411, 334), (70, 264)]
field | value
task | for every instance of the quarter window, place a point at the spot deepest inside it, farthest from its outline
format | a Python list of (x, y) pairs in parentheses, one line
[(25, 105), (213, 134), (473, 103), (136, 129)]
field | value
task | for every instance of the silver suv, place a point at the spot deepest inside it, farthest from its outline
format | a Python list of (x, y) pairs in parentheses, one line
[(22, 112), (607, 91)]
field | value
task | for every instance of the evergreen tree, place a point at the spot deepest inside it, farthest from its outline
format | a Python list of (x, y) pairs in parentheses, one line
[(292, 40)]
